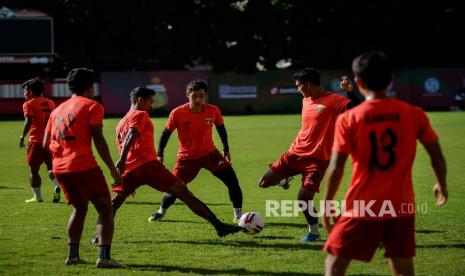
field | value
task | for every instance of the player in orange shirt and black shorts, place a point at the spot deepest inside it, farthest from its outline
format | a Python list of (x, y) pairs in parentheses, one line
[(309, 154), (194, 122), (138, 162), (68, 136), (381, 135), (36, 111)]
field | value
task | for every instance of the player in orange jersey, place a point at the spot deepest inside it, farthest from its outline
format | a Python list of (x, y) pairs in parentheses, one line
[(36, 111), (194, 122), (138, 162), (68, 136), (309, 154), (381, 136)]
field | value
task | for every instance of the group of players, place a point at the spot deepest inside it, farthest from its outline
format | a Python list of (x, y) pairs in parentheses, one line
[(380, 134)]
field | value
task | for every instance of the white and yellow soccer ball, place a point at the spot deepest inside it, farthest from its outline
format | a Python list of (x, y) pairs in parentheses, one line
[(252, 222)]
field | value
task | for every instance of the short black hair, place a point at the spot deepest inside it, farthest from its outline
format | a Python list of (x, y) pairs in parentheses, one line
[(36, 85), (140, 92), (373, 69), (308, 75), (80, 79), (197, 85)]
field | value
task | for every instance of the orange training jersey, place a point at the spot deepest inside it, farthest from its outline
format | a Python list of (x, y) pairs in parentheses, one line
[(381, 135), (316, 134), (142, 148), (38, 109), (70, 135), (194, 129)]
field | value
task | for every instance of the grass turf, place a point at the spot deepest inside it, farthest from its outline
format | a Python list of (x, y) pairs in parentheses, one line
[(33, 237)]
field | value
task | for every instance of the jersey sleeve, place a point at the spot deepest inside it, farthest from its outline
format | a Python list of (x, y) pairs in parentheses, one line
[(342, 137), (426, 134), (138, 121), (171, 124), (27, 109), (218, 117), (96, 114)]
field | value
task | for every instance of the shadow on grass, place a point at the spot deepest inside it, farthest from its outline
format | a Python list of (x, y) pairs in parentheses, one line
[(426, 231), (10, 188), (289, 224), (208, 271), (176, 203), (273, 238), (453, 245), (250, 244)]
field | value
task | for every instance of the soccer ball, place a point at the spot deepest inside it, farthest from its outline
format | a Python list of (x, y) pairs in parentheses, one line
[(252, 222)]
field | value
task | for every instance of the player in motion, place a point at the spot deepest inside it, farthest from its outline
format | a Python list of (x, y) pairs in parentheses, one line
[(36, 111), (68, 136), (381, 135), (309, 154), (194, 122), (139, 165)]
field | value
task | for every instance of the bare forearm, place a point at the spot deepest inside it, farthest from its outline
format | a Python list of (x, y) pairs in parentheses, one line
[(440, 169), (104, 152), (26, 127), (334, 180)]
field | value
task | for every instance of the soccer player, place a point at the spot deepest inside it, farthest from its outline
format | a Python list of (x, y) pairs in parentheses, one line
[(309, 154), (68, 136), (36, 111), (381, 135), (139, 165), (194, 122)]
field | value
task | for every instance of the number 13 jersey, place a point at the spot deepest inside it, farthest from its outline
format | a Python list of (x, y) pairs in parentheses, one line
[(381, 135)]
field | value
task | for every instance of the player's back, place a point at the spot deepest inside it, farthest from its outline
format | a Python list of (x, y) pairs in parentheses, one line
[(39, 109), (383, 145), (71, 137)]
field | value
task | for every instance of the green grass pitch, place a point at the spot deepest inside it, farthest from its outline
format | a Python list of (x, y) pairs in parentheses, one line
[(33, 238)]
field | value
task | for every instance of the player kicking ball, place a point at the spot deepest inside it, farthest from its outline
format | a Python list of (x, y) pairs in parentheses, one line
[(138, 163)]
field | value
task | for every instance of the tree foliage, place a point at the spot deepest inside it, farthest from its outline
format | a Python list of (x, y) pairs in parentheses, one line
[(236, 35)]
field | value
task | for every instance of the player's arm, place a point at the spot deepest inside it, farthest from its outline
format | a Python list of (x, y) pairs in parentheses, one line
[(26, 128), (334, 178), (440, 170), (125, 146), (221, 129), (347, 85), (102, 149), (165, 137)]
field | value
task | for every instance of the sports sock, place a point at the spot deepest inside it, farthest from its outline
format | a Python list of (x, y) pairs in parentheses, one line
[(314, 229), (73, 251), (37, 194), (161, 210), (55, 183), (104, 252), (237, 212)]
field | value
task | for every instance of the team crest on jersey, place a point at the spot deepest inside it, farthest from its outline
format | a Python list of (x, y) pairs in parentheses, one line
[(208, 120), (320, 107)]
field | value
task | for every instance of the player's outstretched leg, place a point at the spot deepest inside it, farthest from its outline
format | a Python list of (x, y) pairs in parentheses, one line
[(198, 207), (167, 200), (229, 178)]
